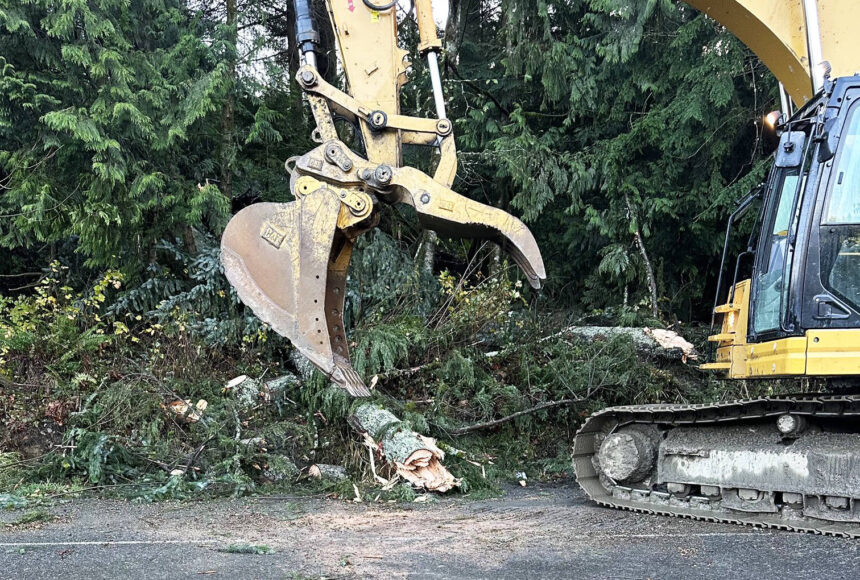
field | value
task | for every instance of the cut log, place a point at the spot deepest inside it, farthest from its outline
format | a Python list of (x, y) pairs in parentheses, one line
[(416, 458), (245, 389), (276, 389), (328, 472), (653, 341), (279, 468)]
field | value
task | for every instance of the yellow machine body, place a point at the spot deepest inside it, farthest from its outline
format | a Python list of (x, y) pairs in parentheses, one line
[(818, 353), (775, 30)]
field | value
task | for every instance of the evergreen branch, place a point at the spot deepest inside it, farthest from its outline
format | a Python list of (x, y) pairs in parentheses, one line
[(512, 416)]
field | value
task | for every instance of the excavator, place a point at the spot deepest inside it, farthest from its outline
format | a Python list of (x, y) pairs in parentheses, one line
[(790, 311)]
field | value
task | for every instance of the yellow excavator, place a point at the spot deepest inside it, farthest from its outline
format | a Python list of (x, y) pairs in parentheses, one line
[(790, 462)]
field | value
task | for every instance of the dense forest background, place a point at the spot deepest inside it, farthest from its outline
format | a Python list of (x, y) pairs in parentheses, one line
[(621, 131)]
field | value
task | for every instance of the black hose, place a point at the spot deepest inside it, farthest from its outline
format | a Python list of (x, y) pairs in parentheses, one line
[(385, 7), (381, 8)]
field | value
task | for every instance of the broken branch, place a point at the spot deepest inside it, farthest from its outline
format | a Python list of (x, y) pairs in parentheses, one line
[(511, 417)]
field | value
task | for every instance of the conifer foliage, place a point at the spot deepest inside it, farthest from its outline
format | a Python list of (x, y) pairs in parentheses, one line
[(620, 130), (102, 125), (604, 121)]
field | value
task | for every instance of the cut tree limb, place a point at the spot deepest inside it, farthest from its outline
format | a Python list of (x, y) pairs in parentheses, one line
[(649, 269), (512, 416), (416, 458), (658, 342)]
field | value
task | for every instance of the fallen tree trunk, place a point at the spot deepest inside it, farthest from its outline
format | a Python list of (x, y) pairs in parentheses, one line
[(416, 458), (654, 341)]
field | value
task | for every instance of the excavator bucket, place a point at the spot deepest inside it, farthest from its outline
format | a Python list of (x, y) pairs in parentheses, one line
[(288, 262)]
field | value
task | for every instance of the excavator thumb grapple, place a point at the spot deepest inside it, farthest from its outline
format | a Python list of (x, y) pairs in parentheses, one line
[(288, 261)]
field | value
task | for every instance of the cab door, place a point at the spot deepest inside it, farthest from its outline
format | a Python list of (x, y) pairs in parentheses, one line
[(774, 256), (770, 295)]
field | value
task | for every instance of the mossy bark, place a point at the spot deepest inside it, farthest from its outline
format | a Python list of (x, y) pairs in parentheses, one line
[(658, 342), (416, 458)]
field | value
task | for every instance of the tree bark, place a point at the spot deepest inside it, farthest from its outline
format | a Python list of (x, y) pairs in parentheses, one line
[(188, 240), (293, 54), (659, 342), (428, 258), (227, 113), (416, 458), (649, 270)]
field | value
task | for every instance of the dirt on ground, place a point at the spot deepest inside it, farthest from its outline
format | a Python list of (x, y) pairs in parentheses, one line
[(533, 532)]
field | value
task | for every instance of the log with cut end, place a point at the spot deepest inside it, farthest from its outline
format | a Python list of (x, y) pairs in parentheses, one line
[(417, 458), (654, 341)]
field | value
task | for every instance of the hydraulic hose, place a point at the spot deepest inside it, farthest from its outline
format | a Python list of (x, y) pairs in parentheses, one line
[(380, 7)]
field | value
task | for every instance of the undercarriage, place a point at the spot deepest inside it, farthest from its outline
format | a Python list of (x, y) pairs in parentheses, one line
[(790, 462)]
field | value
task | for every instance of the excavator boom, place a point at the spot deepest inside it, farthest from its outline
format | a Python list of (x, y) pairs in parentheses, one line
[(793, 37)]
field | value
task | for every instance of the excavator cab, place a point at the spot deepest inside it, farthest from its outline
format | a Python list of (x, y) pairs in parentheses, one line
[(798, 314)]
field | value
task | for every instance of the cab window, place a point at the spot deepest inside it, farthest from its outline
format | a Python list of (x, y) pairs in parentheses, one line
[(840, 224), (771, 285)]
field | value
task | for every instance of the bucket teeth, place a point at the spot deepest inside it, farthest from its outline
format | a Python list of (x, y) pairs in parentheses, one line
[(346, 377), (287, 262)]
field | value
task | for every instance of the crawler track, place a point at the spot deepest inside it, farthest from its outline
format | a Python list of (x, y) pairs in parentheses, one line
[(587, 442)]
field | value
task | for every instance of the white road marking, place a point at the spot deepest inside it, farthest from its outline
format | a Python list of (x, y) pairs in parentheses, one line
[(693, 535), (107, 543), (581, 537)]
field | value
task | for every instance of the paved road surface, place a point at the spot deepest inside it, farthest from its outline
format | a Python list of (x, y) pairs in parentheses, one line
[(537, 532)]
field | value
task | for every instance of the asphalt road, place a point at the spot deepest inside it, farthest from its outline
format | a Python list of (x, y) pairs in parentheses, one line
[(537, 532)]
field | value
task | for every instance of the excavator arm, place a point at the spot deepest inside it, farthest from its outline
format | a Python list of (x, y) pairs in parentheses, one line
[(289, 261)]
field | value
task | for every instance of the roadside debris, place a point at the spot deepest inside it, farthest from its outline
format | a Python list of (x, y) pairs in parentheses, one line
[(328, 472), (276, 389), (187, 411), (666, 344), (669, 339), (246, 390), (521, 477), (279, 468)]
